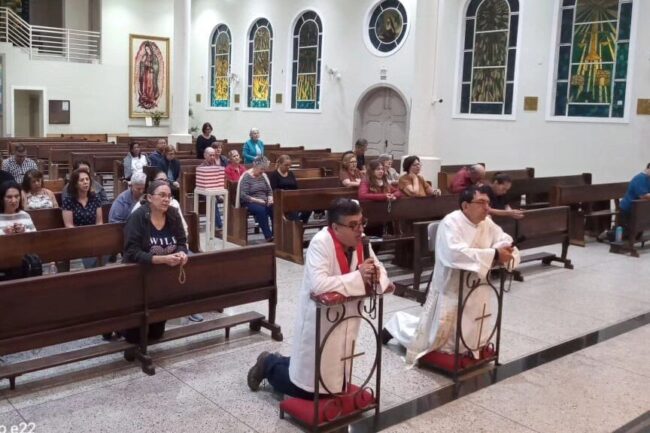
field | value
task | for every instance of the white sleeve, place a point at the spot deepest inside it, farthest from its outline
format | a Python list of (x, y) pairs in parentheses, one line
[(317, 268)]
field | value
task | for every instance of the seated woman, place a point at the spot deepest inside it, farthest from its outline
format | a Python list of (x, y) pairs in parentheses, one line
[(387, 161), (235, 168), (34, 195), (95, 186), (221, 158), (376, 186), (13, 219), (411, 183), (156, 175), (82, 206), (154, 235), (171, 166), (283, 178), (134, 161), (205, 140), (255, 194), (349, 174)]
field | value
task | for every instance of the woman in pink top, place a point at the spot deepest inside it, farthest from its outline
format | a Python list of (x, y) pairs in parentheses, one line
[(376, 186), (235, 169)]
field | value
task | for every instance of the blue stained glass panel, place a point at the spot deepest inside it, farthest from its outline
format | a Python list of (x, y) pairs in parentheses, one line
[(625, 22), (618, 107), (561, 99), (588, 110)]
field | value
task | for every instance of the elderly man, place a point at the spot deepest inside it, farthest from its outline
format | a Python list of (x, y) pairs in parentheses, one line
[(18, 164), (467, 240), (123, 204), (253, 147), (467, 177), (210, 159), (334, 263)]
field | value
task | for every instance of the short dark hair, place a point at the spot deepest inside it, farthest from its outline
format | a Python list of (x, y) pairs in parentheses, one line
[(27, 179), (78, 163), (360, 143), (342, 207), (20, 148), (6, 186), (647, 166), (206, 125), (502, 178), (408, 162), (468, 194)]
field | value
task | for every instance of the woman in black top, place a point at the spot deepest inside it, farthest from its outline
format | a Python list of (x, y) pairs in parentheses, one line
[(283, 178), (154, 235), (204, 140)]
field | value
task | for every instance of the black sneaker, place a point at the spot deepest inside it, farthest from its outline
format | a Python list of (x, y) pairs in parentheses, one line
[(385, 336), (256, 373)]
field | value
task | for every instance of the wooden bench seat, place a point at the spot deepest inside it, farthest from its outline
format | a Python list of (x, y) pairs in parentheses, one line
[(638, 229)]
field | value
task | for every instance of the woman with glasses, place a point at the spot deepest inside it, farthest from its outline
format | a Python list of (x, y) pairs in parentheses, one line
[(349, 174), (154, 235), (160, 175), (411, 183)]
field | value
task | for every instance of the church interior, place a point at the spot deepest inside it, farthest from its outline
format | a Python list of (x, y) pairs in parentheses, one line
[(549, 97)]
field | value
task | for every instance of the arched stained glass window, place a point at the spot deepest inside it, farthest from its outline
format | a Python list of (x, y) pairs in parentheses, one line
[(306, 65), (489, 57), (260, 55), (220, 50), (592, 59)]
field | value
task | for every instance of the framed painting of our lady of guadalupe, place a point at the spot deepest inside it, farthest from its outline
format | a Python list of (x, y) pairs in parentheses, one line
[(148, 76)]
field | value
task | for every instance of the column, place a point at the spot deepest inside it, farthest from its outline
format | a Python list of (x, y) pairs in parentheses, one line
[(180, 90)]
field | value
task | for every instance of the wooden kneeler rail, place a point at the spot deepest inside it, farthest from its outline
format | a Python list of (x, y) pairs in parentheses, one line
[(53, 309)]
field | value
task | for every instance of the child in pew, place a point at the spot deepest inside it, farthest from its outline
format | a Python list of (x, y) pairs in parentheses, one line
[(154, 235)]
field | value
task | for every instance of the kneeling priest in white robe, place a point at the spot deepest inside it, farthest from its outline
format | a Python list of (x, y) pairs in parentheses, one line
[(468, 240)]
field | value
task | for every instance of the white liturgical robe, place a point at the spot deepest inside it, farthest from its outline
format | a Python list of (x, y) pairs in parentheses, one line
[(322, 275), (460, 245)]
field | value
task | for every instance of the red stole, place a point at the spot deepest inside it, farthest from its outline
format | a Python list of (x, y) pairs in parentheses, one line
[(341, 257)]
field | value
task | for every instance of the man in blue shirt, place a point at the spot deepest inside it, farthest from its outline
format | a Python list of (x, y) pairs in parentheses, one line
[(157, 158), (123, 204), (638, 189)]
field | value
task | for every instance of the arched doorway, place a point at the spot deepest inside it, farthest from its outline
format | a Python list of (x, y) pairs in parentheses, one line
[(382, 118)]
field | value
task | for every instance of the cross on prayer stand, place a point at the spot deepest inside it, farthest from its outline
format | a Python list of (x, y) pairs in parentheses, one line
[(333, 408), (464, 360)]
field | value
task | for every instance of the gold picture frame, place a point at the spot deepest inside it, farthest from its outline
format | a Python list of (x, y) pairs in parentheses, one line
[(149, 70)]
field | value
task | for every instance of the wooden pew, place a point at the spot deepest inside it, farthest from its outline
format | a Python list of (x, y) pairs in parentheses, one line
[(65, 307), (638, 226), (538, 189), (581, 199), (289, 235)]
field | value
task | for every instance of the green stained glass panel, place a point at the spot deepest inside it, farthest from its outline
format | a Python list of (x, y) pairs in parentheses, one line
[(625, 22), (488, 85), (621, 60), (618, 107), (596, 10), (591, 83), (307, 60), (563, 63), (493, 15), (490, 49), (262, 39), (595, 43), (261, 63)]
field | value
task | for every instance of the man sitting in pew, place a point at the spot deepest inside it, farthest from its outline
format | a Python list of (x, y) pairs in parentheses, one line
[(157, 158), (154, 235), (335, 263), (501, 184), (18, 164), (123, 204), (466, 177), (638, 189)]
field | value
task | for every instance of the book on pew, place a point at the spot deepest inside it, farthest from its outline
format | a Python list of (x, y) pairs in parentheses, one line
[(210, 177)]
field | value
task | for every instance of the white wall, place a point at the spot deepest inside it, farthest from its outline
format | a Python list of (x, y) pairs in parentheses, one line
[(612, 152), (98, 93), (343, 49)]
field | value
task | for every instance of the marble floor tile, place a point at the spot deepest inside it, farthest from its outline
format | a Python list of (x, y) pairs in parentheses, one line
[(227, 387), (151, 404), (459, 416), (12, 419), (5, 406), (552, 325), (629, 351), (515, 345), (573, 394)]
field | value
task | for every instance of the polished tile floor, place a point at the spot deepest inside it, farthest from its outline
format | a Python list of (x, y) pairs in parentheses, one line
[(200, 383)]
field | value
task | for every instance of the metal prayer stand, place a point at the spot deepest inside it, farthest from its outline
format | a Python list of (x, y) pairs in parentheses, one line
[(461, 363), (333, 409)]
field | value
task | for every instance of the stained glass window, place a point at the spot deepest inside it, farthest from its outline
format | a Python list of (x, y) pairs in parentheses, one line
[(388, 26), (260, 54), (306, 65), (592, 59), (220, 50), (489, 57)]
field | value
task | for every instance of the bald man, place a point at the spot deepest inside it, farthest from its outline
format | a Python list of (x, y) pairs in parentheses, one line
[(468, 176)]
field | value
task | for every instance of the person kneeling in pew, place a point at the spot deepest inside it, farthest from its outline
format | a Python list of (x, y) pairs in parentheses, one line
[(501, 184), (334, 263), (154, 235)]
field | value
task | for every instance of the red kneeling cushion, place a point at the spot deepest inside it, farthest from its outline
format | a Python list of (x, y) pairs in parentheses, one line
[(445, 361), (329, 408)]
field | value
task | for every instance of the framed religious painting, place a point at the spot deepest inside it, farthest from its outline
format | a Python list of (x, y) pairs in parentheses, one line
[(148, 76)]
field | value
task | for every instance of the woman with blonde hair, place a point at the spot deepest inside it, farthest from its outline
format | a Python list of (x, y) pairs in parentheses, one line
[(349, 174)]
